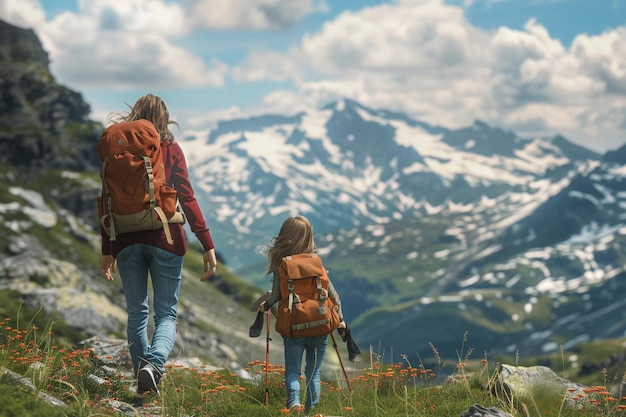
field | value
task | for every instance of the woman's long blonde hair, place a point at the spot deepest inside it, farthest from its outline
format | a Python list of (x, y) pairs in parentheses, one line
[(149, 107), (295, 236)]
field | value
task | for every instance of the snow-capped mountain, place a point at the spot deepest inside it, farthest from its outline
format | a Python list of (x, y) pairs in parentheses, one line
[(549, 280), (347, 166), (423, 227)]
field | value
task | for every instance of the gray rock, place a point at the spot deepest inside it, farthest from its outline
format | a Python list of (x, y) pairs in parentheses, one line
[(10, 377), (478, 410), (526, 382), (22, 244), (111, 352)]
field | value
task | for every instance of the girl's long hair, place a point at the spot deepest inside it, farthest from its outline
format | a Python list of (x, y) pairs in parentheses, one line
[(295, 236), (149, 107)]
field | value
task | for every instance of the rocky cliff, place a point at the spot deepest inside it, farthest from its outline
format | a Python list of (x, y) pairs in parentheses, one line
[(43, 125)]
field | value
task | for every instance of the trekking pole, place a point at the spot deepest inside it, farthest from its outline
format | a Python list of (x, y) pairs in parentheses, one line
[(345, 375), (267, 360)]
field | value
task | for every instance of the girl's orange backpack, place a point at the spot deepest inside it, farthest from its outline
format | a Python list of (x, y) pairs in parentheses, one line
[(305, 310)]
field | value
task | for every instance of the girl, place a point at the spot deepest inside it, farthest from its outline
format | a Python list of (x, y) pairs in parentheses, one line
[(296, 237)]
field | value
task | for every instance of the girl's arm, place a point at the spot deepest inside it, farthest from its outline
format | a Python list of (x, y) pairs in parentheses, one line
[(275, 296)]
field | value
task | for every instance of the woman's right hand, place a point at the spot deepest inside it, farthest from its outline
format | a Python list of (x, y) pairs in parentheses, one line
[(107, 266)]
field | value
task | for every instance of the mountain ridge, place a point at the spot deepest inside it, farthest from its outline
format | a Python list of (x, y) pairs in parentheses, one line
[(417, 227), (344, 165)]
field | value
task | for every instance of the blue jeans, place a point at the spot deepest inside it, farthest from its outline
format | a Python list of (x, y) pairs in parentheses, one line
[(295, 347), (134, 263)]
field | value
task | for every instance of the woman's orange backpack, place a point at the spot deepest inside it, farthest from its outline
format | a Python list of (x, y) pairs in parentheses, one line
[(305, 310), (135, 194)]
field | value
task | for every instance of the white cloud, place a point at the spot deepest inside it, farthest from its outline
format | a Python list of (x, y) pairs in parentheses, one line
[(418, 56), (136, 16), (395, 38), (264, 65), (120, 45), (251, 14), (133, 44), (604, 58), (144, 61), (210, 119), (423, 57), (24, 13), (579, 92)]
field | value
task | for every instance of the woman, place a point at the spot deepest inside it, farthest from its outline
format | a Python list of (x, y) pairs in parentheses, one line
[(147, 253), (296, 237)]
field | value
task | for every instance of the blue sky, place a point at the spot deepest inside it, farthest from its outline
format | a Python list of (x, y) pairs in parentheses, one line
[(537, 67)]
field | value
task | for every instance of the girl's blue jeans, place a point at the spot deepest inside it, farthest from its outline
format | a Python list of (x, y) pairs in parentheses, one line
[(135, 263), (295, 348)]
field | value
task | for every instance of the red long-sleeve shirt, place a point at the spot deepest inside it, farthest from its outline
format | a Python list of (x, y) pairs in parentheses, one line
[(177, 176)]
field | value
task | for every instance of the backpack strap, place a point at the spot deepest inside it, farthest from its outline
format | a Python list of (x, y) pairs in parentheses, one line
[(291, 294), (290, 288), (322, 294), (166, 225), (149, 180), (293, 297), (153, 205), (167, 160), (310, 324), (108, 209)]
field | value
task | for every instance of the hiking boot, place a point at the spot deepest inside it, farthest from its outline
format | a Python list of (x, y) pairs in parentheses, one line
[(147, 380)]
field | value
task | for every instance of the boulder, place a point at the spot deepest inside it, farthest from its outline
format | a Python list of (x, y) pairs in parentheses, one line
[(478, 410), (528, 382)]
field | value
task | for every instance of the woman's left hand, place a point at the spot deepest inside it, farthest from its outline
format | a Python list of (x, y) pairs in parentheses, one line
[(210, 265)]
